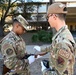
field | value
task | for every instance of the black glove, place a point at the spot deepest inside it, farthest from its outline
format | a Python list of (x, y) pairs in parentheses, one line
[(46, 63)]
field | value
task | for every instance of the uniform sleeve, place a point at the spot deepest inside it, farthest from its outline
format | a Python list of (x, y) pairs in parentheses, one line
[(63, 56), (46, 49), (10, 59)]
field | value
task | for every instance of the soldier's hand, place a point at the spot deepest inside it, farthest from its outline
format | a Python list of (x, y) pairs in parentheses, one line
[(38, 48), (38, 56), (31, 59)]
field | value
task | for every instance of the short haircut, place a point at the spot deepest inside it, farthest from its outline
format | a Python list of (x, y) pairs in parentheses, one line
[(62, 16), (15, 21)]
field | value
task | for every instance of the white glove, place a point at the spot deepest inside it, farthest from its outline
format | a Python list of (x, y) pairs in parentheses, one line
[(43, 67), (31, 59), (38, 48)]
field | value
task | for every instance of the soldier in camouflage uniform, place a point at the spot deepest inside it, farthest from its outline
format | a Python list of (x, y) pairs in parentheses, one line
[(62, 58), (13, 49)]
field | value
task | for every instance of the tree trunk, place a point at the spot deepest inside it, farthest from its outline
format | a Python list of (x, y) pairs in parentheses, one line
[(1, 28)]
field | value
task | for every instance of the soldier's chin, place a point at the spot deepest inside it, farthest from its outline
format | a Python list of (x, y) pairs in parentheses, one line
[(19, 34)]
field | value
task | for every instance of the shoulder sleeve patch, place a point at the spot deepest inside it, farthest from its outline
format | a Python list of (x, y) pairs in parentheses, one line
[(64, 53), (9, 51), (7, 48)]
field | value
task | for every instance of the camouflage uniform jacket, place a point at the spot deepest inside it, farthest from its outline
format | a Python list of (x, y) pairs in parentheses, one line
[(13, 50), (62, 52), (61, 57)]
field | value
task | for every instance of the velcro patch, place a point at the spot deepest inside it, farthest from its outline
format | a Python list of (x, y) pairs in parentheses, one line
[(64, 53), (5, 46)]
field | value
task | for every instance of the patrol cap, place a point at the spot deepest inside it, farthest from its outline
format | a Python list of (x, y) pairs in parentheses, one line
[(56, 8), (23, 21)]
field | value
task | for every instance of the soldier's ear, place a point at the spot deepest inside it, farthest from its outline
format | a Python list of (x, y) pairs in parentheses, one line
[(17, 25)]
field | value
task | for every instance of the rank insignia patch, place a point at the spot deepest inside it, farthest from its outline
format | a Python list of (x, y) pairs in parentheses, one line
[(64, 53)]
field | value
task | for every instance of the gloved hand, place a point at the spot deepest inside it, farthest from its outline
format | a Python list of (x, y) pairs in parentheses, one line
[(43, 67), (38, 48), (31, 59)]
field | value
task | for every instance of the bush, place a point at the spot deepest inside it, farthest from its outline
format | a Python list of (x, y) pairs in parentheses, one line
[(42, 36), (35, 38)]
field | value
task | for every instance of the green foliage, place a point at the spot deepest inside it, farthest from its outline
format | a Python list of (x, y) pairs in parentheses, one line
[(35, 38), (42, 36)]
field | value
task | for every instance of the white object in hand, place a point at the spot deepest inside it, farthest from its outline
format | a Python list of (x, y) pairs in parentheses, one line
[(31, 59), (43, 67), (39, 56), (38, 48)]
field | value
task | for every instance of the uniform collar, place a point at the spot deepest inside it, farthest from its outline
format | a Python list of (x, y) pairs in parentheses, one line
[(59, 31), (11, 34), (15, 35)]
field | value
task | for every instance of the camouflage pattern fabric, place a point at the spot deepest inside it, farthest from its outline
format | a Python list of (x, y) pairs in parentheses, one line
[(62, 57), (75, 49), (47, 49), (13, 50)]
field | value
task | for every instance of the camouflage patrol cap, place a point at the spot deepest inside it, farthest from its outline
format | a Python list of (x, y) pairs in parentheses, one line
[(56, 8), (23, 21)]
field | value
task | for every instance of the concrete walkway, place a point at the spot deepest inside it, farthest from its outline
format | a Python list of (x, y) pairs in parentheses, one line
[(30, 49)]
